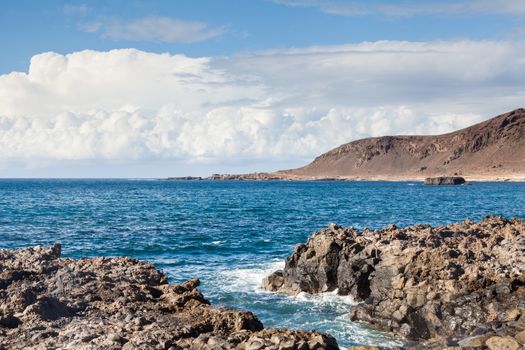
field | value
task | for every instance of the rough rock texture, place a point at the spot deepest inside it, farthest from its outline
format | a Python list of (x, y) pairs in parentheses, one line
[(249, 176), (494, 149), (461, 285), (48, 302), (444, 180)]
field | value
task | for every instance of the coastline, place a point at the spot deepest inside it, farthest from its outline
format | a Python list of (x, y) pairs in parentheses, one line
[(121, 303), (376, 178), (426, 278), (458, 286)]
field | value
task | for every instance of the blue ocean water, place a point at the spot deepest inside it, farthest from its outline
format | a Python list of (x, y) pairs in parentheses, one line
[(232, 234)]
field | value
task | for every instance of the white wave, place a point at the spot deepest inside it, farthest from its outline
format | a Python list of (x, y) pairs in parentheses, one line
[(327, 298), (249, 279), (341, 327), (213, 243), (166, 261), (330, 308)]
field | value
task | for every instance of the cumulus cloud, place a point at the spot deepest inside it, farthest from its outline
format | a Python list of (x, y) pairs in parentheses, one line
[(279, 105), (154, 28), (412, 8)]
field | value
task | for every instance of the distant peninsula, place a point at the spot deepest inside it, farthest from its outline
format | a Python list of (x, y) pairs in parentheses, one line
[(493, 150)]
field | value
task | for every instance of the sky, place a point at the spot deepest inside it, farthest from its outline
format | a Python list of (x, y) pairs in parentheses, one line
[(173, 88)]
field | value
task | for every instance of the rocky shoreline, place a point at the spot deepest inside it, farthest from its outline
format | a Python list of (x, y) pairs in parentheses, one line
[(460, 286), (49, 302), (282, 176)]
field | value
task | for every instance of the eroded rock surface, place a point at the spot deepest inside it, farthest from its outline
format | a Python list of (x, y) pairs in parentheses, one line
[(48, 302), (445, 180), (461, 285)]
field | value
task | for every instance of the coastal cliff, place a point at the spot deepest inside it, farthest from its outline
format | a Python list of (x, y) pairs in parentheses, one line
[(49, 302), (459, 285), (493, 149)]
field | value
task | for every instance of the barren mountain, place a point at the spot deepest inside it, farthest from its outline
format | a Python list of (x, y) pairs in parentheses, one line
[(494, 149)]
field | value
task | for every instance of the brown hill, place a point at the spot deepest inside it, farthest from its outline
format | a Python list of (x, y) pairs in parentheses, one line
[(492, 150)]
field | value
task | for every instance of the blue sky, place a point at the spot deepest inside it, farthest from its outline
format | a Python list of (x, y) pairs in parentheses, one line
[(29, 27), (166, 88)]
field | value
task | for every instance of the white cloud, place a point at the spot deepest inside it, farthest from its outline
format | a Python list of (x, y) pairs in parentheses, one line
[(412, 8), (280, 105), (154, 28)]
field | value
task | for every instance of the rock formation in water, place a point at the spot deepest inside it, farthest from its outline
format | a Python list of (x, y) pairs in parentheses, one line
[(494, 149), (185, 178), (459, 285), (445, 180), (250, 176), (48, 302)]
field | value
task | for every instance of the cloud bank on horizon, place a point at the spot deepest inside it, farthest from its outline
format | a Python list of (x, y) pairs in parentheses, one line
[(282, 104), (257, 109)]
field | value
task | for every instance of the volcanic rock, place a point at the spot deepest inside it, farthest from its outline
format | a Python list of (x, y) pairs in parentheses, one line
[(49, 302), (460, 285), (445, 180)]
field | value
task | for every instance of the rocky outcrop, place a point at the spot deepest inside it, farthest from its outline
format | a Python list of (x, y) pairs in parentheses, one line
[(444, 180), (49, 302), (249, 176), (459, 285)]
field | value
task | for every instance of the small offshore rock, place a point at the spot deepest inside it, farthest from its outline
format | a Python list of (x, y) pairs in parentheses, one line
[(445, 180)]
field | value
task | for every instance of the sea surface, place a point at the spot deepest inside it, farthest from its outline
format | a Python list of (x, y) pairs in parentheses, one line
[(232, 234)]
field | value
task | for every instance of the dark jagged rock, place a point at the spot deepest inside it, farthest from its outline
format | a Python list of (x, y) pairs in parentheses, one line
[(249, 176), (187, 178), (445, 180), (461, 285), (48, 302)]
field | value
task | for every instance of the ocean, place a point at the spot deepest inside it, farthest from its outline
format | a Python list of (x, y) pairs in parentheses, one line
[(232, 234)]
